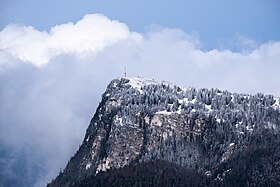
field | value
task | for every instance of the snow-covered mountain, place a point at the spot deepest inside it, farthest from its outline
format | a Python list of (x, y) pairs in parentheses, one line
[(215, 133)]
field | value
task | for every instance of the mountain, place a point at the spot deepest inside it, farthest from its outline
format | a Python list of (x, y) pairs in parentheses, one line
[(144, 130)]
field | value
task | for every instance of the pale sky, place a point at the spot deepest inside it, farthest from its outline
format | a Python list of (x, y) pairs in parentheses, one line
[(216, 21)]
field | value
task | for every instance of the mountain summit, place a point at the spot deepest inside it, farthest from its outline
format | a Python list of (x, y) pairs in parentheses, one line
[(215, 137)]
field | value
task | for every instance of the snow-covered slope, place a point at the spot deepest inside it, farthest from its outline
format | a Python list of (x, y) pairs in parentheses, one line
[(139, 120)]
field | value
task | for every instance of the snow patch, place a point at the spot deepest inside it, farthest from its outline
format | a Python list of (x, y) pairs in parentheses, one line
[(208, 107), (277, 103), (237, 124), (115, 84), (88, 166), (186, 101), (208, 173), (164, 112), (179, 111), (156, 121), (118, 121), (193, 110), (164, 135), (248, 128), (137, 82), (104, 165)]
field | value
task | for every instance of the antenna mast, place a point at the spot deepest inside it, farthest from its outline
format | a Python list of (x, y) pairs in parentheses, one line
[(124, 71)]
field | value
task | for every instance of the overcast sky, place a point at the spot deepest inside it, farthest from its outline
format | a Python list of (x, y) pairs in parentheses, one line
[(56, 59)]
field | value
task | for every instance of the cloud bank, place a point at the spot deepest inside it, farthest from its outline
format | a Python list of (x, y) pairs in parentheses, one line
[(51, 82), (89, 35)]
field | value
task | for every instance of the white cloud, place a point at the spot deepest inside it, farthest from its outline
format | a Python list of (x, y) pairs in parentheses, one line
[(89, 35), (51, 82)]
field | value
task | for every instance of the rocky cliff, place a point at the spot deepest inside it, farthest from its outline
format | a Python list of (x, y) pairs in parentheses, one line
[(218, 134)]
